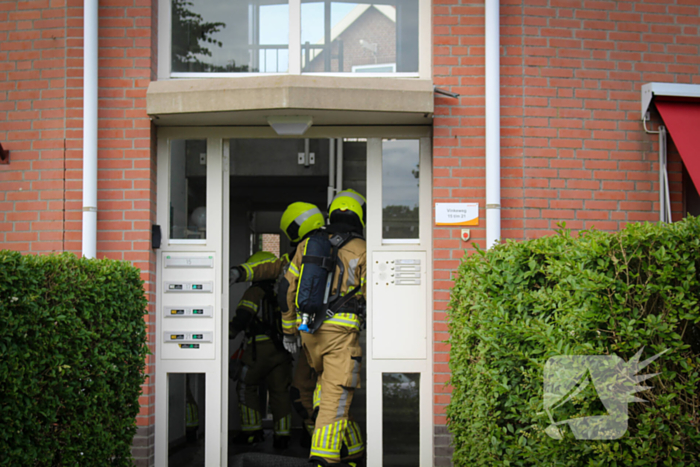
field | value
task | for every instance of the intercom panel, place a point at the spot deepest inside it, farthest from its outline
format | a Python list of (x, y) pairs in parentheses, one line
[(399, 300)]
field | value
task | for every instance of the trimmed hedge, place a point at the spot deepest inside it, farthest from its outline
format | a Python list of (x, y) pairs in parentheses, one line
[(520, 303), (72, 360)]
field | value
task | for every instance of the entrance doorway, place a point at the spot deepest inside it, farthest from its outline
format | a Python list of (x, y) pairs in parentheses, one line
[(221, 193), (293, 170)]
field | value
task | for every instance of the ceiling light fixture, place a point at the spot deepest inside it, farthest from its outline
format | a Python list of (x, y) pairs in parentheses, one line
[(290, 125)]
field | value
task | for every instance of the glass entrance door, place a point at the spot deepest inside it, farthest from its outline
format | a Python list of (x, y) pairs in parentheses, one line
[(294, 170)]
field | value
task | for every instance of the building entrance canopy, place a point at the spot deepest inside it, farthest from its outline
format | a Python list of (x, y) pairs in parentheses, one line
[(329, 100)]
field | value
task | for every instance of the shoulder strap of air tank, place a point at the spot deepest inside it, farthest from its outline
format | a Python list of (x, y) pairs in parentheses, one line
[(341, 238)]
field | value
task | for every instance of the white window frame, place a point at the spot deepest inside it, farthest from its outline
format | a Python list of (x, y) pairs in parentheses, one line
[(425, 47)]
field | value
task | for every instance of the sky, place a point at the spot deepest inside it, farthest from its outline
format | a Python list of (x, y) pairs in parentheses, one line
[(274, 24)]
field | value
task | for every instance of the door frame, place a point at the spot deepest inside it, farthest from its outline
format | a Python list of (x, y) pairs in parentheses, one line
[(216, 445), (212, 244), (375, 245)]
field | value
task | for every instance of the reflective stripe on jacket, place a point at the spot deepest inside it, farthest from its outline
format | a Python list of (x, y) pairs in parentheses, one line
[(250, 304), (268, 269)]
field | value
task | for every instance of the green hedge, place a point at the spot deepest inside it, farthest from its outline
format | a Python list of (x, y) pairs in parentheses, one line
[(520, 303), (72, 360)]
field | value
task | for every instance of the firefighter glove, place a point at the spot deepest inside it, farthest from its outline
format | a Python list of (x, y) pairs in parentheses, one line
[(291, 343), (236, 325), (233, 276)]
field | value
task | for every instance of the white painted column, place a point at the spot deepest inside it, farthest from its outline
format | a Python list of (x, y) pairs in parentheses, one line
[(90, 44), (493, 123), (331, 171), (339, 167), (294, 37)]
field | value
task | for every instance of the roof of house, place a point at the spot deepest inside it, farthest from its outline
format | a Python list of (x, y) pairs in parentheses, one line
[(349, 19)]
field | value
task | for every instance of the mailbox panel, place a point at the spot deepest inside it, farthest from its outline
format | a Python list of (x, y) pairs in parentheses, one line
[(188, 306)]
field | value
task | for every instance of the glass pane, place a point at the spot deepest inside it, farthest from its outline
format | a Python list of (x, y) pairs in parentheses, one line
[(363, 37), (401, 419), (188, 189), (355, 165), (186, 411), (400, 164), (230, 36)]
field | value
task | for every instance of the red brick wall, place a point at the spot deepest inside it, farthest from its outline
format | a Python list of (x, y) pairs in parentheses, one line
[(572, 145), (32, 124), (41, 124), (271, 243)]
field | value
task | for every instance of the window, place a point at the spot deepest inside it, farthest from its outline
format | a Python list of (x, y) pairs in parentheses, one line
[(188, 189), (356, 37), (230, 36), (186, 418), (401, 419), (400, 190), (253, 36)]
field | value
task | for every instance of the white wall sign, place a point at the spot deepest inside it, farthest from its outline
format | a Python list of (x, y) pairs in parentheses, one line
[(455, 214)]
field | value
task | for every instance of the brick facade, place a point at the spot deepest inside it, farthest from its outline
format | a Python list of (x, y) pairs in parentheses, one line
[(271, 243), (33, 57), (573, 146), (41, 74)]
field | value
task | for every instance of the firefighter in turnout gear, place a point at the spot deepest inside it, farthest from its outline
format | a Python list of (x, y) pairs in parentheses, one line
[(332, 343), (264, 360), (261, 269), (299, 221)]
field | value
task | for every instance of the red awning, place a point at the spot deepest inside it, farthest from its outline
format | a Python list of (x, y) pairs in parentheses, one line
[(683, 122)]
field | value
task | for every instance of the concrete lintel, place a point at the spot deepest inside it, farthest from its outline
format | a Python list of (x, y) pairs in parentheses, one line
[(286, 92)]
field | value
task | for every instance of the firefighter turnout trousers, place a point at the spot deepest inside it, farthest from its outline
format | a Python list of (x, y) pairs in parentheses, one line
[(335, 353), (352, 440), (274, 367), (302, 392)]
